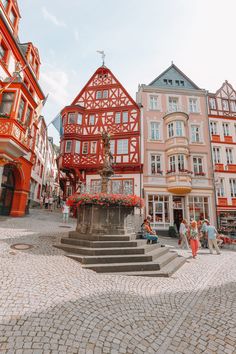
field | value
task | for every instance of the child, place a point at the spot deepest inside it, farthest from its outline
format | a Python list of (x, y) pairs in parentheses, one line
[(65, 212)]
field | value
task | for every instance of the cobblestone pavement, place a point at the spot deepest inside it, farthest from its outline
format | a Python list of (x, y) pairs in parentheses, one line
[(49, 304)]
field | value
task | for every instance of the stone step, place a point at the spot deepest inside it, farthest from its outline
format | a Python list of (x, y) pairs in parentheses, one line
[(91, 237), (166, 271), (102, 244), (106, 251), (122, 258)]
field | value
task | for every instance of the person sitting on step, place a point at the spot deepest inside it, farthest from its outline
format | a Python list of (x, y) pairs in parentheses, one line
[(150, 235)]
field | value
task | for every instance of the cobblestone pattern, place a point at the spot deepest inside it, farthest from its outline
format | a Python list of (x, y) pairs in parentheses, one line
[(49, 304)]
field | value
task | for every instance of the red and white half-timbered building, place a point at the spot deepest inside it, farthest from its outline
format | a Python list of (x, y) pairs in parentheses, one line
[(222, 122), (102, 105), (20, 101)]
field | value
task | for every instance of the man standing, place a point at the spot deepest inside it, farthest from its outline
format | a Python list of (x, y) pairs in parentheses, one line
[(211, 234)]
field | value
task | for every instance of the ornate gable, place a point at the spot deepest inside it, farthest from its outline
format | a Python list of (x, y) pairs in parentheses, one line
[(226, 91)]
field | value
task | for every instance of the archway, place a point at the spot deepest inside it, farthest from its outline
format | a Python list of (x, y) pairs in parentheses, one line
[(7, 190)]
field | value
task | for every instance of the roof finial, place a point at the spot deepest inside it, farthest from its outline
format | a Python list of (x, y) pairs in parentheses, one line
[(172, 62), (103, 56)]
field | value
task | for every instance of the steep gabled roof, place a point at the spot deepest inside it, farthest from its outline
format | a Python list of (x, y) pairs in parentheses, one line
[(173, 77)]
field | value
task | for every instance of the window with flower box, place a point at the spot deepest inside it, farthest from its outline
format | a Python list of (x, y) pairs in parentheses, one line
[(156, 164), (122, 186)]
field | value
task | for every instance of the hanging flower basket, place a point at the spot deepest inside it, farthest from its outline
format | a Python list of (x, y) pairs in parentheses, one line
[(106, 200)]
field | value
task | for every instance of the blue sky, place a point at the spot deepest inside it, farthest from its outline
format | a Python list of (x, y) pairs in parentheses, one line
[(140, 39)]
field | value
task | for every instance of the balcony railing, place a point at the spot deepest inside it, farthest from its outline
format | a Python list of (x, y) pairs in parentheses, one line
[(12, 129)]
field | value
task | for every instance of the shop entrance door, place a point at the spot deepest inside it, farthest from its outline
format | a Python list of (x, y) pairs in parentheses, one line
[(7, 190), (178, 210)]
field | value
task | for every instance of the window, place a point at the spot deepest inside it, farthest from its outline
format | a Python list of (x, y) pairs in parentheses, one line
[(28, 116), (212, 103), (125, 116), (214, 128), (225, 105), (79, 118), (119, 186), (3, 51), (175, 129), (159, 209), (128, 186), (232, 183), (216, 155), (165, 81), (181, 83), (153, 102), (5, 3), (177, 82), (195, 129), (112, 146), (98, 95), (105, 94), (172, 163), (21, 110), (155, 164), (170, 130), (198, 208), (179, 128), (226, 129), (220, 188), (117, 117), (85, 147), (155, 131), (72, 118), (233, 106), (77, 147), (173, 104), (193, 105), (7, 102), (122, 146), (68, 146), (93, 147), (197, 165), (91, 119), (95, 186), (180, 162), (12, 17), (229, 155)]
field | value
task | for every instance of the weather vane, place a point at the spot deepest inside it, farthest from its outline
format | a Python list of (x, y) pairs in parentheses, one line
[(103, 56)]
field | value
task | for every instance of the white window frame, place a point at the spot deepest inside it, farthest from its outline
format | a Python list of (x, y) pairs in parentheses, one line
[(155, 131), (118, 117), (195, 133), (212, 103), (153, 103), (172, 163), (198, 164), (122, 146), (68, 142), (77, 146), (85, 150), (193, 105), (232, 183), (72, 116), (98, 94), (157, 161), (173, 103), (229, 156), (91, 119), (93, 147), (214, 128), (226, 127), (125, 117), (216, 154), (79, 118), (221, 188)]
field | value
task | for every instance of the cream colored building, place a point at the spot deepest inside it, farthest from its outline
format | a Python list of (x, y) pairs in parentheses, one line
[(178, 173)]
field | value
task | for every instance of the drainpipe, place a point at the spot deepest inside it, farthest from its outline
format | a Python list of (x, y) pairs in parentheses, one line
[(212, 165), (140, 152)]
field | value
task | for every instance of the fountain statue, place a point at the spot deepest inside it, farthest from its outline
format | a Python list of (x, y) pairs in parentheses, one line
[(107, 171)]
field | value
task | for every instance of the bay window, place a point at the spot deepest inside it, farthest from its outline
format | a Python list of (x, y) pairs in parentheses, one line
[(77, 147), (6, 103), (21, 110), (175, 129), (68, 146), (93, 147), (85, 147), (72, 118)]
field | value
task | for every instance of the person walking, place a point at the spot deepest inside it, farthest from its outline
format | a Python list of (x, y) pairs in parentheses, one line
[(46, 202), (65, 212), (50, 202), (212, 237), (183, 234), (193, 237)]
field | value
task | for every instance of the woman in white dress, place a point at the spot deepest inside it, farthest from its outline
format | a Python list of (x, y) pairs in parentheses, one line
[(183, 234)]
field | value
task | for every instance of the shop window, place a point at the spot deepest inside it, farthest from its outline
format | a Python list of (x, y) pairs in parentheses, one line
[(198, 208), (159, 209), (6, 103)]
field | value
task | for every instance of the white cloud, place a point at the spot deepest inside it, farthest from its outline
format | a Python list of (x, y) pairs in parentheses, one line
[(55, 82), (76, 35), (53, 19)]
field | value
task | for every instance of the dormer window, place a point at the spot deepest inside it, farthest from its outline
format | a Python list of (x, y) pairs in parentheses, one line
[(169, 82), (181, 83), (165, 81)]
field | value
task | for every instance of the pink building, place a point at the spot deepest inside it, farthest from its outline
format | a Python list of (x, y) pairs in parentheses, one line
[(178, 173), (222, 118)]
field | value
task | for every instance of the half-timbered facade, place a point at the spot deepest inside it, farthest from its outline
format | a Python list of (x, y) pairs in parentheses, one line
[(20, 100), (178, 174), (222, 123), (102, 105)]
